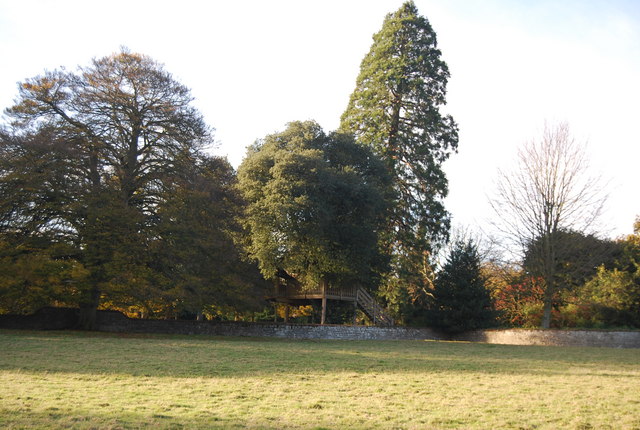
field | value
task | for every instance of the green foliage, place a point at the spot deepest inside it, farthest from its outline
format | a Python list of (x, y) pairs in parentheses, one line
[(107, 163), (395, 109), (41, 201), (33, 275), (612, 297), (461, 300), (195, 250), (598, 285), (575, 257), (316, 205), (564, 259), (115, 132), (41, 184)]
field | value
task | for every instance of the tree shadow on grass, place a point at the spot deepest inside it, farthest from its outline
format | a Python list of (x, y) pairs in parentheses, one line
[(69, 418), (225, 357)]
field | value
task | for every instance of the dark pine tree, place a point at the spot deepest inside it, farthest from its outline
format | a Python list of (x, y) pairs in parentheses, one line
[(461, 301)]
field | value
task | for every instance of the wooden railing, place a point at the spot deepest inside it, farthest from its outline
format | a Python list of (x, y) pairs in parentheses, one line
[(291, 291), (372, 309), (359, 295)]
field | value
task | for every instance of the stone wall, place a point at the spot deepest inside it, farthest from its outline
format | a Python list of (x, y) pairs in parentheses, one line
[(116, 322), (47, 318), (594, 338)]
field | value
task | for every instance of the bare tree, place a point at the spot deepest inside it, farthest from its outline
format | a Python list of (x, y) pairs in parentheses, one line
[(548, 191)]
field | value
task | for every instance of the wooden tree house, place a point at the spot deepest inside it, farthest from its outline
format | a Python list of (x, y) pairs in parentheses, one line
[(291, 292)]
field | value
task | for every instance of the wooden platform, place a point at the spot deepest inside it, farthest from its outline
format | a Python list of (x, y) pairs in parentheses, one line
[(299, 296)]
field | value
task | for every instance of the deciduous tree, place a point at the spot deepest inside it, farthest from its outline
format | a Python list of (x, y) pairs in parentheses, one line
[(195, 249), (549, 191), (120, 124), (613, 294)]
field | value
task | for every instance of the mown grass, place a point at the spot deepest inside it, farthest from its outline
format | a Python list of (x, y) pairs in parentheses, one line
[(94, 380)]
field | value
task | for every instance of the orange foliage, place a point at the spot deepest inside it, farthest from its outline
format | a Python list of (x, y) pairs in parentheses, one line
[(520, 304)]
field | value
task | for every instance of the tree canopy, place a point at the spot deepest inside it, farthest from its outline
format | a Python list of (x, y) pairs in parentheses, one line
[(109, 198), (576, 257), (396, 109), (316, 205), (108, 161)]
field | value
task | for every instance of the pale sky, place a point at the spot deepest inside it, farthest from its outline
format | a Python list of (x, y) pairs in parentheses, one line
[(255, 65)]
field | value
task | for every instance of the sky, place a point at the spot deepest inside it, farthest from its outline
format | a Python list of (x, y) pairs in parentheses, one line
[(255, 65)]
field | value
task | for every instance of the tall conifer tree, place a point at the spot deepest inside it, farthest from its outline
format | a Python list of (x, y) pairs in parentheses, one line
[(395, 108)]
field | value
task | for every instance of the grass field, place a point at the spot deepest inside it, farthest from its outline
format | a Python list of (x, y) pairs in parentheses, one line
[(94, 380)]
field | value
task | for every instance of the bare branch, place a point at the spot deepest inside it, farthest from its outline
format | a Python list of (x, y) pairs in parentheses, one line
[(549, 190)]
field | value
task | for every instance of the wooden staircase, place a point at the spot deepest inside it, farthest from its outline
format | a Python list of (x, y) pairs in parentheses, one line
[(293, 294), (372, 309)]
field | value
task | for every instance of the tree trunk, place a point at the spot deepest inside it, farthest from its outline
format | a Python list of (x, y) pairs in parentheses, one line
[(323, 285), (392, 144), (549, 262), (355, 312), (89, 310), (94, 252), (546, 314)]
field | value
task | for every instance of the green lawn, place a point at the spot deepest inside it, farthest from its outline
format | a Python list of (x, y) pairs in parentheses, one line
[(94, 380)]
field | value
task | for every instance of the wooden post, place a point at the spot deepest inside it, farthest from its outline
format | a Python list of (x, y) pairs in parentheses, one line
[(355, 306), (276, 283), (355, 312), (323, 285), (286, 313)]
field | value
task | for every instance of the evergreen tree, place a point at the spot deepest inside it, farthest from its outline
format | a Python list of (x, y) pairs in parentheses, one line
[(460, 299), (316, 206), (395, 108)]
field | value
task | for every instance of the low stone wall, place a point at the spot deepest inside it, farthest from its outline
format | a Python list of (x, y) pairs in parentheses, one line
[(116, 322), (47, 318), (592, 338)]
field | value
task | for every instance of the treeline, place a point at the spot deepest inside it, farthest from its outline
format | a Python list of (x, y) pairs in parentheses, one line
[(109, 199), (597, 283)]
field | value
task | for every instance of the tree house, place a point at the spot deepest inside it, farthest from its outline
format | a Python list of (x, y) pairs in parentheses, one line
[(291, 292)]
